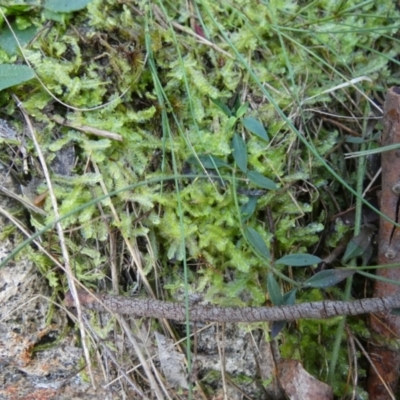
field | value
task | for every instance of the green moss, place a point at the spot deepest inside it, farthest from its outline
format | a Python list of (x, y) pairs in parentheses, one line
[(160, 82)]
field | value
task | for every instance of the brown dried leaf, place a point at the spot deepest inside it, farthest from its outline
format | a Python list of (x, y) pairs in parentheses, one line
[(298, 384)]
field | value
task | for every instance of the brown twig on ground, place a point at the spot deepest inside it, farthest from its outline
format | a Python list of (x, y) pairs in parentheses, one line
[(386, 328), (150, 307)]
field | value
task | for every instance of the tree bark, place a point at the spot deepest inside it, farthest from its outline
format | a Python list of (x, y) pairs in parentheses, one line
[(386, 327)]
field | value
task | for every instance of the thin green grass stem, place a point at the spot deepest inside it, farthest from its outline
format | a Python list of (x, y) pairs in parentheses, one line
[(338, 337), (167, 136), (361, 166), (289, 123), (379, 278)]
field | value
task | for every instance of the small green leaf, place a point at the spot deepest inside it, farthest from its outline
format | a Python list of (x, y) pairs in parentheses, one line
[(11, 75), (274, 290), (276, 327), (352, 250), (298, 260), (236, 105), (256, 127), (289, 298), (231, 122), (239, 152), (224, 108), (242, 110), (355, 140), (359, 244), (260, 180), (7, 41), (257, 242), (65, 6), (328, 278), (247, 209), (209, 161), (53, 16)]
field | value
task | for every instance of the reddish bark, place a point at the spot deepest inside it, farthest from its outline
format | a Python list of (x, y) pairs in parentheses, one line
[(385, 328)]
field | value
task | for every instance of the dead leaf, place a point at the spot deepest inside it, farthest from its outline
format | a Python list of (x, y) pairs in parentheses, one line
[(298, 384)]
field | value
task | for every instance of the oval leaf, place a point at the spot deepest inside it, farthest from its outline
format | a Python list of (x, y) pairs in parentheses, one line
[(359, 244), (239, 152), (274, 291), (328, 278), (354, 139), (224, 108), (256, 127), (289, 298), (242, 110), (352, 250), (257, 242), (261, 180), (231, 122), (11, 75), (209, 162), (7, 41), (276, 327), (65, 6), (247, 209), (298, 260)]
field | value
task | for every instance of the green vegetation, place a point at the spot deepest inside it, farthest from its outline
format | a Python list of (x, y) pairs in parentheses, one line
[(234, 119)]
